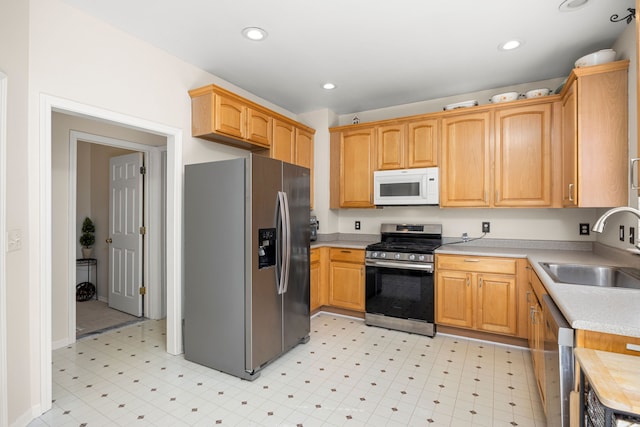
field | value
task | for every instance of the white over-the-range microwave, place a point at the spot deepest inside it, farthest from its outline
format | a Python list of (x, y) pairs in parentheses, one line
[(406, 187)]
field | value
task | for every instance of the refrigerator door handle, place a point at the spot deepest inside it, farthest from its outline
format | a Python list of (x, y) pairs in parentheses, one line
[(282, 219), (287, 243)]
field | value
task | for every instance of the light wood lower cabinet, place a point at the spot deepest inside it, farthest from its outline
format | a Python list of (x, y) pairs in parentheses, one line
[(346, 278), (536, 329), (318, 278), (477, 293)]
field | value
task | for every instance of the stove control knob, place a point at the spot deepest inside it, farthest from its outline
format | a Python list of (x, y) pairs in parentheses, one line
[(421, 258), (412, 257), (383, 255), (397, 256), (375, 254)]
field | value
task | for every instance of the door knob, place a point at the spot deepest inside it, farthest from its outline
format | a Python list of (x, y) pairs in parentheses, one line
[(109, 241)]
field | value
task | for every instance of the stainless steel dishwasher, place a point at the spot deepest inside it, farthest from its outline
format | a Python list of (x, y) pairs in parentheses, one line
[(558, 363)]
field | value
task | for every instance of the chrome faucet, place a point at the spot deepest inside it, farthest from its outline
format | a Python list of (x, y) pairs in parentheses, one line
[(598, 227)]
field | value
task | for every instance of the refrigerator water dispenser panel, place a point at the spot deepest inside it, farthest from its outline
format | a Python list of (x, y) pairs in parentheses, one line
[(266, 247)]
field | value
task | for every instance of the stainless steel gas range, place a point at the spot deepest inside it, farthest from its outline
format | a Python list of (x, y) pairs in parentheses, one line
[(400, 278)]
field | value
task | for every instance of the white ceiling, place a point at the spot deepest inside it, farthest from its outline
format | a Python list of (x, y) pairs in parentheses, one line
[(379, 53)]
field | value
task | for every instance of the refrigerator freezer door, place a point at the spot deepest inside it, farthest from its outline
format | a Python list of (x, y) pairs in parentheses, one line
[(214, 265), (296, 321), (263, 303)]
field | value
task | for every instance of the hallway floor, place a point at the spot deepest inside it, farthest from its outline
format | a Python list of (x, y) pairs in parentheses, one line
[(348, 374)]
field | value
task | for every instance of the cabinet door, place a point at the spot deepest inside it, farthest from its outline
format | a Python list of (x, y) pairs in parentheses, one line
[(538, 350), (315, 280), (465, 163), (258, 127), (454, 298), (391, 147), (570, 148), (229, 116), (304, 155), (496, 303), (422, 146), (346, 285), (523, 156), (283, 141), (357, 152)]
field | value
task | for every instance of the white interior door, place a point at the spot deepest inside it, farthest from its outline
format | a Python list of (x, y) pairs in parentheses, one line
[(125, 237)]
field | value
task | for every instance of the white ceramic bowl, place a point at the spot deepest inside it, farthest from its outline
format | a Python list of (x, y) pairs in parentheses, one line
[(600, 57), (505, 97), (535, 93), (463, 104)]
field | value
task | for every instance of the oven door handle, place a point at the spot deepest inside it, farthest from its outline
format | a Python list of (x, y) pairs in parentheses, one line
[(389, 264)]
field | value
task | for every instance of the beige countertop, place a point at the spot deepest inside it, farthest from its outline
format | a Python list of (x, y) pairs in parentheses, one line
[(609, 310)]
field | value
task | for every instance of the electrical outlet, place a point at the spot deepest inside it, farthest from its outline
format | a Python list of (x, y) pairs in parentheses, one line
[(632, 235), (621, 233), (357, 225), (486, 227), (584, 228)]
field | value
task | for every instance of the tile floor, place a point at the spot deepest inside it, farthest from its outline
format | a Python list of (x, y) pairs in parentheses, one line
[(348, 374)]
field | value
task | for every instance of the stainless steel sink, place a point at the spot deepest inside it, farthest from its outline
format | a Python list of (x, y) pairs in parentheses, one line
[(593, 275)]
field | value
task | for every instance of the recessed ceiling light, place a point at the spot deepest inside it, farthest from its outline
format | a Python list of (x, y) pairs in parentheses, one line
[(328, 86), (510, 45), (571, 5), (254, 33)]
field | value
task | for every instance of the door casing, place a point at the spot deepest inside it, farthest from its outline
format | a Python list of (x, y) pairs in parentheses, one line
[(41, 223)]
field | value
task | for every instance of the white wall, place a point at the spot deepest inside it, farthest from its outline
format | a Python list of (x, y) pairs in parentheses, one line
[(14, 42), (67, 54)]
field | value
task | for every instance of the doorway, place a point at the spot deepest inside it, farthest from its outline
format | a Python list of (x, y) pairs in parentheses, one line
[(99, 310), (89, 193), (48, 106)]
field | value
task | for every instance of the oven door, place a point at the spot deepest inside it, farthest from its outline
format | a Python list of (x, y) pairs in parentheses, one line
[(401, 291)]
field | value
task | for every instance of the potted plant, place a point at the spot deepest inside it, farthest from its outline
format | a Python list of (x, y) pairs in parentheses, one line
[(88, 237)]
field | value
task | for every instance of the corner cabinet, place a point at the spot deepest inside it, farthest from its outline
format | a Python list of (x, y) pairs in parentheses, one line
[(595, 136), (478, 293), (352, 164)]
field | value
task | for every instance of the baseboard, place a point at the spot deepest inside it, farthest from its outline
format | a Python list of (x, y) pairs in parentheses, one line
[(60, 343), (339, 311), (483, 336), (27, 417)]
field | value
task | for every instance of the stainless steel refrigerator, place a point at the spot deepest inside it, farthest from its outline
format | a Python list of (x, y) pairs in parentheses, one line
[(246, 248)]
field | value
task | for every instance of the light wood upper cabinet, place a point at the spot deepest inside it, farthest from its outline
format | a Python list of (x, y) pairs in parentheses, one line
[(595, 136), (352, 165), (219, 115), (391, 147), (283, 143), (303, 155), (229, 116), (258, 127), (465, 169), (569, 148), (422, 147), (409, 144), (523, 156)]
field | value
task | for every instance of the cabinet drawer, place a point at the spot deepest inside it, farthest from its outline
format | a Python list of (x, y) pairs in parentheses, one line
[(476, 264), (348, 255), (314, 255), (608, 342)]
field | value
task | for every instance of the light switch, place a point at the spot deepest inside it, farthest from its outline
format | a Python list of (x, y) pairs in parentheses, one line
[(14, 240)]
